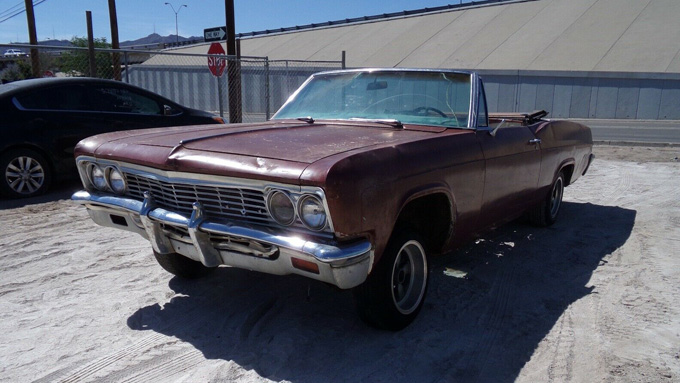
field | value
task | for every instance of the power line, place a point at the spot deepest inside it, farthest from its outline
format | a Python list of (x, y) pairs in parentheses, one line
[(13, 11)]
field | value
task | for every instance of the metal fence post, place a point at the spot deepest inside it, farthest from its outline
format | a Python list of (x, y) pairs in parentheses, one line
[(266, 87), (287, 79), (127, 69), (220, 95)]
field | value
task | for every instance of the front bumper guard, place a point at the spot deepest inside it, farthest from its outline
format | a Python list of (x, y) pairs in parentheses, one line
[(216, 243)]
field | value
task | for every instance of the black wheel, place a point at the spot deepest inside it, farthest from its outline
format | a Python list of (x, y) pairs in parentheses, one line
[(182, 266), (25, 173), (395, 291), (545, 214)]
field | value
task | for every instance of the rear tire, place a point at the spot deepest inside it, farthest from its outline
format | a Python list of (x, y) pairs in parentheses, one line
[(182, 266), (545, 214), (24, 173), (394, 292)]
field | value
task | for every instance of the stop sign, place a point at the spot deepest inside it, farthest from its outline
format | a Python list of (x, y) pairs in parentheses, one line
[(216, 64)]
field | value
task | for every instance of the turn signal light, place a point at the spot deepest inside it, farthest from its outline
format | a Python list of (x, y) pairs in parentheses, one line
[(305, 265)]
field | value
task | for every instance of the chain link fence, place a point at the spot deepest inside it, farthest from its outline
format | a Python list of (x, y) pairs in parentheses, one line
[(182, 77)]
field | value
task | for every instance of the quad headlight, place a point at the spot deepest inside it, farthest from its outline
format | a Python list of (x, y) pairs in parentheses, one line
[(312, 212), (97, 176), (281, 208), (106, 179), (116, 180)]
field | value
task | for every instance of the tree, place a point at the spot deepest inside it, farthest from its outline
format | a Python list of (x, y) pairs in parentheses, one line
[(18, 70), (76, 63)]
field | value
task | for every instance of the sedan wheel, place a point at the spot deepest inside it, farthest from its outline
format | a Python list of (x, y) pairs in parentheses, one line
[(556, 197), (409, 275), (545, 214), (25, 174), (395, 291)]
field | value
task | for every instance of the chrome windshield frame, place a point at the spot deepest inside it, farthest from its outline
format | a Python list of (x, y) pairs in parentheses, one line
[(474, 89)]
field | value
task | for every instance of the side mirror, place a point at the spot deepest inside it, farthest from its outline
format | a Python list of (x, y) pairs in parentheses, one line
[(167, 110)]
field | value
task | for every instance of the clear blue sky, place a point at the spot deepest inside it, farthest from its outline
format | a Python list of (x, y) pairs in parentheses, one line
[(63, 19)]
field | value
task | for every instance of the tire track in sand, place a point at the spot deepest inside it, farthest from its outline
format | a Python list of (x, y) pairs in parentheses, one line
[(562, 361), (491, 323)]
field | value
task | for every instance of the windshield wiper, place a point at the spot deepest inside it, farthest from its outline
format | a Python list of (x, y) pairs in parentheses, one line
[(385, 121), (307, 119)]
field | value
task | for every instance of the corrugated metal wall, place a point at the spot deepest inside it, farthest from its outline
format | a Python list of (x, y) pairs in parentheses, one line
[(604, 95), (647, 96)]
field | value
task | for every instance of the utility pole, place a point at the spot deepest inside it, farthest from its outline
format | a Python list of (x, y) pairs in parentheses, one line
[(33, 39), (233, 66), (113, 17), (90, 45)]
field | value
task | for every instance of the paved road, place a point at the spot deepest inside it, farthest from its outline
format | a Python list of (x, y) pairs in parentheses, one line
[(635, 131)]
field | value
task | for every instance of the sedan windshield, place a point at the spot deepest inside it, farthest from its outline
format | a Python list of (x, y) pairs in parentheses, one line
[(411, 97)]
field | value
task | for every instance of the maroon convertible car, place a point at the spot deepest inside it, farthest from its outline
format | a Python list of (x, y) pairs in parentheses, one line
[(355, 181)]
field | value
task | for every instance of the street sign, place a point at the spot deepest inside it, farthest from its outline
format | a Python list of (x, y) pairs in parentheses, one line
[(216, 64), (215, 34)]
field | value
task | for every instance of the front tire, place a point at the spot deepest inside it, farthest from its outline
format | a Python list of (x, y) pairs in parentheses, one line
[(182, 266), (545, 214), (394, 292), (25, 173)]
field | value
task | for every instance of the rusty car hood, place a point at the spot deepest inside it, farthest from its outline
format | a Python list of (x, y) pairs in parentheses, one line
[(277, 150)]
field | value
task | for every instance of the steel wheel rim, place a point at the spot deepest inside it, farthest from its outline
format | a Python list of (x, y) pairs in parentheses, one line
[(409, 277), (556, 197), (24, 175)]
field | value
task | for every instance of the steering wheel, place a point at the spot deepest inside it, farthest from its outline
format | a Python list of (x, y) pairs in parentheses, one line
[(399, 95), (426, 109)]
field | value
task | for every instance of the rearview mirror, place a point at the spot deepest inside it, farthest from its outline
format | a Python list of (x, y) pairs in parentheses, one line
[(376, 85)]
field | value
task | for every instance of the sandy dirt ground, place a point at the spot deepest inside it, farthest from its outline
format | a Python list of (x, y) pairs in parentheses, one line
[(594, 298)]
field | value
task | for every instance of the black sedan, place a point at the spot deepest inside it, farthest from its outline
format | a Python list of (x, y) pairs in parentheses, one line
[(41, 121)]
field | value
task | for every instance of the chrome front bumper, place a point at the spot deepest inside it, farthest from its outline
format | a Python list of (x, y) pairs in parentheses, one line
[(218, 243)]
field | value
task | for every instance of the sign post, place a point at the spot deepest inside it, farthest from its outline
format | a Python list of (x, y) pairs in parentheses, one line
[(216, 65)]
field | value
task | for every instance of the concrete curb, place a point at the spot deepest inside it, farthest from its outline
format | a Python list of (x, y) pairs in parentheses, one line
[(638, 143)]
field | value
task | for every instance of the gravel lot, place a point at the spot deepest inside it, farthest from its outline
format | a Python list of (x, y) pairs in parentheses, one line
[(595, 298)]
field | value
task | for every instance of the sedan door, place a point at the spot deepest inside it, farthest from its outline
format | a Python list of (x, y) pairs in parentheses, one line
[(513, 164)]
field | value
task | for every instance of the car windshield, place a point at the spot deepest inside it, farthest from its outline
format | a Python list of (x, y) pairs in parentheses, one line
[(411, 97)]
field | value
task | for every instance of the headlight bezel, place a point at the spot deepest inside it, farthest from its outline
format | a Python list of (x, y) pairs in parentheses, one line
[(99, 177), (297, 199)]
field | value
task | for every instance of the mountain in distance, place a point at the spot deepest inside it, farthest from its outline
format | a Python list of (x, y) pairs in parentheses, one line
[(152, 39), (155, 38)]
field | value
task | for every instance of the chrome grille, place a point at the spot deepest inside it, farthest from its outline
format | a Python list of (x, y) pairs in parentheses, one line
[(232, 203)]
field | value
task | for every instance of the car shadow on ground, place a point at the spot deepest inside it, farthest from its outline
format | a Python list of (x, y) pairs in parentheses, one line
[(488, 307), (58, 190)]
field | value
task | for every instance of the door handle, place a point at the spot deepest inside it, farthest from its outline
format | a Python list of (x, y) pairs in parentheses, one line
[(535, 141)]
